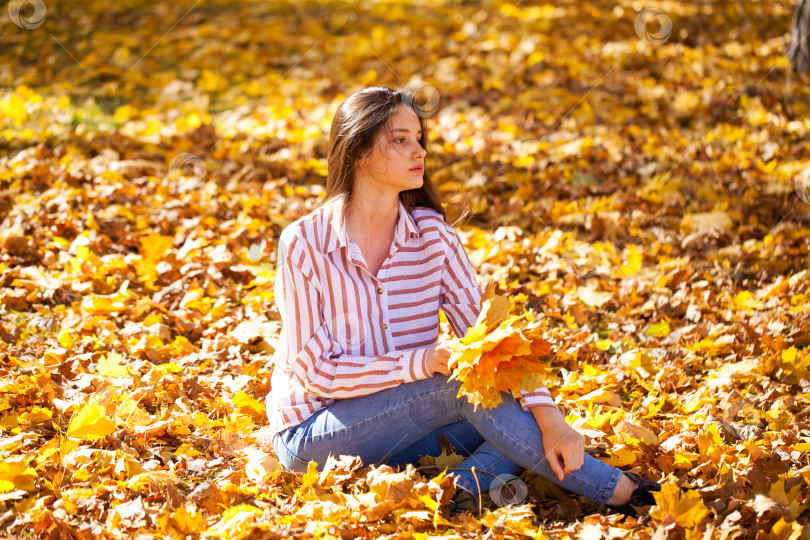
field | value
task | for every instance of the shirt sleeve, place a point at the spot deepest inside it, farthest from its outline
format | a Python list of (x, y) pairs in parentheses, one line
[(314, 357), (540, 396), (461, 303), (460, 293)]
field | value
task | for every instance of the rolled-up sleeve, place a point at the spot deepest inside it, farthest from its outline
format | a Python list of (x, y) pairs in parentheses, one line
[(541, 396), (311, 354), (461, 303)]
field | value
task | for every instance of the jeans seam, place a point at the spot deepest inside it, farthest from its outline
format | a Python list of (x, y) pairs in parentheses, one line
[(495, 463), (487, 468), (604, 496)]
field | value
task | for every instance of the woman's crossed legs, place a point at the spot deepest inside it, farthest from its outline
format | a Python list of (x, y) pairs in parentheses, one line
[(491, 468), (394, 424)]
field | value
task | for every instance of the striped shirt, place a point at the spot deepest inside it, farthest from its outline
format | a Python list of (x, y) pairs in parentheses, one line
[(347, 333)]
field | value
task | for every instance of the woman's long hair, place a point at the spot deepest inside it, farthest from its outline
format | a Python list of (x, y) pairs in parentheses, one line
[(354, 128)]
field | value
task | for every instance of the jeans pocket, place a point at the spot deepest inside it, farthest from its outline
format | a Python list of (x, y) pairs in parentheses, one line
[(289, 460)]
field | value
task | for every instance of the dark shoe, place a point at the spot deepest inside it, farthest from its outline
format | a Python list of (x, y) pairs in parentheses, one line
[(642, 496), (463, 500)]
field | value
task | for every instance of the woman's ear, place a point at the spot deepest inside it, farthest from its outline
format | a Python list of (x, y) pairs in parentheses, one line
[(361, 157)]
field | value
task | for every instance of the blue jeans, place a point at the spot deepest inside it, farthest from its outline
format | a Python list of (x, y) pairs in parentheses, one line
[(401, 424)]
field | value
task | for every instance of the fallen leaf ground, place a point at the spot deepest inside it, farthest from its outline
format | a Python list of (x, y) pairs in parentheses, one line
[(641, 189)]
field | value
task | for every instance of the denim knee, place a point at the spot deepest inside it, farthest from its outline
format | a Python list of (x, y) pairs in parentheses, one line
[(287, 459)]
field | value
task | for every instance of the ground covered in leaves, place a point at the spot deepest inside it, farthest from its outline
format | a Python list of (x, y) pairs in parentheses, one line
[(641, 190)]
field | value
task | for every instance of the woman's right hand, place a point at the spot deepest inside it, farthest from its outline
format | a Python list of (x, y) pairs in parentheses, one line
[(438, 357)]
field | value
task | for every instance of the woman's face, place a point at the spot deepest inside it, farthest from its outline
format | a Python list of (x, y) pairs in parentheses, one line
[(396, 162)]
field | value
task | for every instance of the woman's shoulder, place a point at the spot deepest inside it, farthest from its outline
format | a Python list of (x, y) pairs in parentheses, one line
[(432, 223), (301, 231)]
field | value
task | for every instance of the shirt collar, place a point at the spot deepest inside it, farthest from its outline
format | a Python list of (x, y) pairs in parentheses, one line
[(337, 237)]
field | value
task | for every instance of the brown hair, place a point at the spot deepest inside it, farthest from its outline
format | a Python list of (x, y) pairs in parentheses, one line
[(354, 128)]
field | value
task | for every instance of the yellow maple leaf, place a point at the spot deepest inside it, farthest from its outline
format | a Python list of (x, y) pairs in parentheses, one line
[(625, 429), (788, 498), (592, 297), (182, 520), (519, 518), (91, 421), (110, 365), (443, 460), (782, 530), (503, 357), (236, 522), (620, 457), (685, 508), (96, 304), (65, 338), (660, 329), (634, 260), (16, 474), (496, 310), (36, 415), (146, 479), (14, 107), (128, 411), (248, 405), (795, 363), (153, 248), (745, 300)]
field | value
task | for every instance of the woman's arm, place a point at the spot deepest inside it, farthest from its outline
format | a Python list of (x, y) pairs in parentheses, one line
[(461, 298), (560, 441), (460, 293), (461, 303), (314, 357)]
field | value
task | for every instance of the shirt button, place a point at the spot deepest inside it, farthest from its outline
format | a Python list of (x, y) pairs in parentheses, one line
[(380, 291), (390, 256), (385, 326)]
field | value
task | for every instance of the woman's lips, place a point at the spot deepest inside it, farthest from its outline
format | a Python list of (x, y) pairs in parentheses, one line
[(418, 169)]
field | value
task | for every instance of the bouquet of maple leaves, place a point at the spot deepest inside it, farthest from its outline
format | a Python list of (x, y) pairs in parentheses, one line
[(499, 353)]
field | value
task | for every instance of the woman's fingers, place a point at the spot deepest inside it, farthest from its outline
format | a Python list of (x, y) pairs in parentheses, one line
[(572, 462), (574, 454), (437, 362), (444, 357), (554, 462), (444, 369), (565, 447)]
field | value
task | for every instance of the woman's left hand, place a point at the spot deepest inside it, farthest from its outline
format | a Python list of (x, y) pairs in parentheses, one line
[(438, 357), (563, 445)]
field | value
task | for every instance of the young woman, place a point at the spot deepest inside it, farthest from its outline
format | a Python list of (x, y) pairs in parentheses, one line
[(359, 369)]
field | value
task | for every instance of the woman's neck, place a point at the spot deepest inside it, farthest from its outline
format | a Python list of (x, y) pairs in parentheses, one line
[(371, 216)]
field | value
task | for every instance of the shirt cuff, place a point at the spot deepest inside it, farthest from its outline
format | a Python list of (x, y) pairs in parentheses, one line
[(414, 365), (541, 396)]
